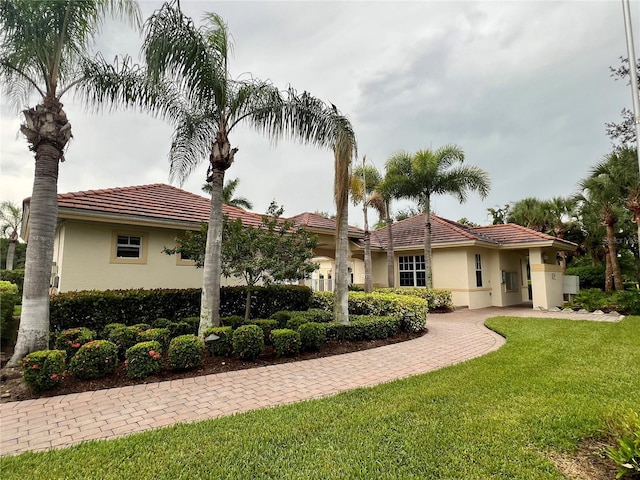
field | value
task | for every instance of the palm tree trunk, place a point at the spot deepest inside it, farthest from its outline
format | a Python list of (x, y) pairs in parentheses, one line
[(11, 253), (391, 275), (341, 293), (608, 277), (613, 254), (33, 333), (212, 268), (368, 275), (427, 242)]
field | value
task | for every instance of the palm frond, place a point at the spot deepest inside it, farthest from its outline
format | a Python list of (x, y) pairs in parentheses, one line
[(191, 143)]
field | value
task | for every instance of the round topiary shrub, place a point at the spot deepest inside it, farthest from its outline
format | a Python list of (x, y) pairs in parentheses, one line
[(222, 347), (295, 321), (142, 326), (72, 339), (248, 342), (95, 359), (194, 322), (125, 338), (286, 342), (161, 323), (43, 370), (160, 335), (267, 326), (185, 352), (312, 336), (144, 359), (282, 317), (108, 328), (177, 329)]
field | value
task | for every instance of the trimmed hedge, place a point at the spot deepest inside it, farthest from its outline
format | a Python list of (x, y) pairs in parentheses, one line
[(267, 326), (233, 321), (364, 328), (437, 300), (160, 335), (144, 359), (43, 370), (95, 359), (286, 342), (124, 338), (248, 342), (375, 304), (186, 352), (8, 300), (590, 276), (223, 347), (296, 321)]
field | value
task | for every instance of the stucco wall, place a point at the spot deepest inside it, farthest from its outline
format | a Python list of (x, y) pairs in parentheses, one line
[(84, 253)]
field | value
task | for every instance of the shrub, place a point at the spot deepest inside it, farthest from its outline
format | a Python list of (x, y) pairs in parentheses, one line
[(267, 325), (110, 327), (625, 302), (590, 276), (282, 317), (233, 321), (44, 369), (223, 347), (124, 338), (316, 315), (286, 342), (144, 359), (625, 430), (8, 300), (412, 323), (296, 321), (160, 335), (161, 323), (141, 326), (248, 342), (437, 300), (95, 359), (364, 328), (15, 276), (194, 322), (375, 303), (186, 352), (312, 336), (72, 339), (177, 329)]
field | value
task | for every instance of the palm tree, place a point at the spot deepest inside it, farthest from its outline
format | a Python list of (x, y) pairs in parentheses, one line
[(427, 173), (531, 213), (10, 216), (227, 194), (190, 84), (561, 214), (364, 180), (45, 51)]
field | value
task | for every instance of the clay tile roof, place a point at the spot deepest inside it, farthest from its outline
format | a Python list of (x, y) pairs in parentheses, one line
[(156, 201), (512, 233), (315, 221), (410, 233)]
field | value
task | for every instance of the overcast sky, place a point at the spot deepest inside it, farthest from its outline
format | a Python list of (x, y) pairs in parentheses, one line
[(523, 87)]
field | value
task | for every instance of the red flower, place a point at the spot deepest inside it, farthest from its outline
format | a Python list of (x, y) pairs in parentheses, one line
[(34, 366)]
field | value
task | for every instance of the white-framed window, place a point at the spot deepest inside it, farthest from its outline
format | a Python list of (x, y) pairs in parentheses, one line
[(478, 270), (411, 270), (128, 247)]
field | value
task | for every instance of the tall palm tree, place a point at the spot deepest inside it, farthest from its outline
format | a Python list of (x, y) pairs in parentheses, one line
[(227, 194), (10, 216), (427, 173), (364, 181), (561, 214), (190, 84), (531, 213), (44, 52)]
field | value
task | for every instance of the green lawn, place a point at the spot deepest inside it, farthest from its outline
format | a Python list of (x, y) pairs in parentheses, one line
[(492, 417)]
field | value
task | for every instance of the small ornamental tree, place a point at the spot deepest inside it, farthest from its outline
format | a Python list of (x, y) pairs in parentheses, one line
[(275, 251)]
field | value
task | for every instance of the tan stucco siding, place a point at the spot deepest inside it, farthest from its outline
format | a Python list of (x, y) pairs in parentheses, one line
[(87, 260)]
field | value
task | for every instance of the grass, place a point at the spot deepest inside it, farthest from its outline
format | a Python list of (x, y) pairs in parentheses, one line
[(550, 386)]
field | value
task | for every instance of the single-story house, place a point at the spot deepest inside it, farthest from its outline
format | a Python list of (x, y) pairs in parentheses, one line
[(114, 239)]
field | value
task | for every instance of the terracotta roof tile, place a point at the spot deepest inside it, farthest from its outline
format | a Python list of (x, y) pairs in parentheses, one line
[(156, 201), (511, 233), (313, 220)]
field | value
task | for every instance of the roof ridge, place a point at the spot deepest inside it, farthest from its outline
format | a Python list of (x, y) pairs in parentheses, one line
[(450, 223)]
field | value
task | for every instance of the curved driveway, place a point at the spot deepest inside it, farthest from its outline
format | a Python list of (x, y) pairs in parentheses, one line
[(64, 420)]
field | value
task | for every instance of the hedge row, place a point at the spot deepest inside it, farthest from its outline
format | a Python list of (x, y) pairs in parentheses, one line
[(378, 304), (437, 300), (14, 276), (626, 302), (95, 309), (8, 299)]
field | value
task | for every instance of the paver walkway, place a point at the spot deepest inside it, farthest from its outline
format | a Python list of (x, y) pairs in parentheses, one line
[(65, 420)]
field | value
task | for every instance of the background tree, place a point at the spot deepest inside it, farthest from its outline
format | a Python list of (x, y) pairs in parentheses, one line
[(44, 52), (405, 213), (10, 219), (228, 197), (623, 134), (531, 213), (275, 251), (427, 173), (191, 86), (499, 216), (364, 180)]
